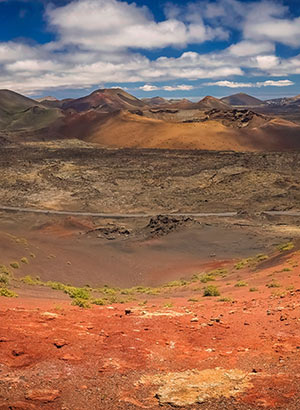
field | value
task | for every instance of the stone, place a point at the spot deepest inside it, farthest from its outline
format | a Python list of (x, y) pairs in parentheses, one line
[(43, 395), (194, 386), (59, 343)]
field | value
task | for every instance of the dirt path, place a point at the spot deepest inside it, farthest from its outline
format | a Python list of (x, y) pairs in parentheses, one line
[(135, 215)]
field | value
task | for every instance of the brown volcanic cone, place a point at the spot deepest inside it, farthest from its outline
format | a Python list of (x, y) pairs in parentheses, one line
[(208, 103), (105, 100), (125, 129), (242, 100)]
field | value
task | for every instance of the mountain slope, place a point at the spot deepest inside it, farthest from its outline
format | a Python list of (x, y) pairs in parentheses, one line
[(242, 100), (286, 102), (106, 100), (208, 103), (18, 112), (155, 101), (127, 130), (12, 102)]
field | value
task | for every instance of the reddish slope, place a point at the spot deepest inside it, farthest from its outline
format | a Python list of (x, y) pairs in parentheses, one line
[(106, 100), (124, 129), (208, 103)]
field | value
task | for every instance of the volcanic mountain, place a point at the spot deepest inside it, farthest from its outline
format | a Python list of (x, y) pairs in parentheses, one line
[(234, 130), (155, 101), (291, 102), (105, 100), (208, 103), (242, 100), (22, 113), (114, 118)]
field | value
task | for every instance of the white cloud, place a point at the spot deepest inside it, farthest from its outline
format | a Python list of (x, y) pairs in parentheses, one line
[(113, 24), (249, 48), (181, 87), (149, 87), (96, 40), (268, 83), (268, 24)]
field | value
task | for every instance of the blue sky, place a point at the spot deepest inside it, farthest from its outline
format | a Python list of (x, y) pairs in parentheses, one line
[(170, 48)]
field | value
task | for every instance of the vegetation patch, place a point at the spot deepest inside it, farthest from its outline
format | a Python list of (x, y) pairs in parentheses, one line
[(29, 280), (288, 246), (273, 284), (7, 293), (77, 293), (83, 303), (4, 279), (240, 284), (211, 290), (226, 299), (250, 262), (15, 265), (207, 278)]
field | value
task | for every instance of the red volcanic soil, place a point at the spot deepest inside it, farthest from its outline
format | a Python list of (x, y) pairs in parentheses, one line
[(130, 356)]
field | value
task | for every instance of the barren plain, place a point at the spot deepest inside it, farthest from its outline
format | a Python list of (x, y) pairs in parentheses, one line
[(158, 311)]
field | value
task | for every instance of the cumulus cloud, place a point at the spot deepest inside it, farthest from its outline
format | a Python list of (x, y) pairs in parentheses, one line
[(149, 87), (104, 41), (268, 83), (180, 87), (113, 24)]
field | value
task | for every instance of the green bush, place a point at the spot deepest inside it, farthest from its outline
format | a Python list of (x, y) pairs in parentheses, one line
[(211, 290), (4, 269), (176, 283), (261, 257), (15, 265), (25, 260), (253, 290), (98, 302), (218, 272), (83, 303), (77, 293), (288, 246), (207, 278), (241, 264), (4, 279), (225, 299), (273, 284), (240, 284), (7, 293), (29, 280), (55, 285)]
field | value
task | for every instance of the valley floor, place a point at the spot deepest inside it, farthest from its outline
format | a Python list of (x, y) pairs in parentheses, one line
[(160, 345), (154, 312)]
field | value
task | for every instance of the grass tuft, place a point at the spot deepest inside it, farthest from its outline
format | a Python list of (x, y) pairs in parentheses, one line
[(211, 290)]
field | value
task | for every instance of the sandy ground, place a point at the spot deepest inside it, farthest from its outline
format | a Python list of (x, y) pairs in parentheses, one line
[(239, 350), (55, 356), (96, 252)]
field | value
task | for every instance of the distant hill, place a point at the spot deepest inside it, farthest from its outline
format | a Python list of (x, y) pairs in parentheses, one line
[(114, 118), (106, 100), (18, 112), (242, 100), (155, 101), (292, 102), (47, 98), (12, 102), (208, 103)]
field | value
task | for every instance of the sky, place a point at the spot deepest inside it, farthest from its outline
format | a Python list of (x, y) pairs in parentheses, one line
[(175, 49)]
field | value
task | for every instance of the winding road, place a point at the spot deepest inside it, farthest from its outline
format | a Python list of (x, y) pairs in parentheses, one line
[(138, 215)]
